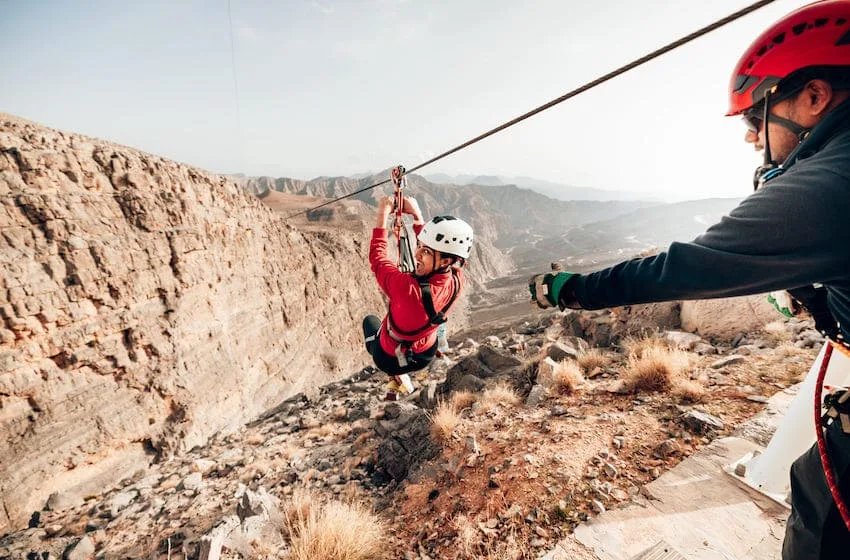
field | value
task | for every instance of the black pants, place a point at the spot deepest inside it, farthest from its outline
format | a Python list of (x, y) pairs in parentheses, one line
[(389, 363), (815, 530)]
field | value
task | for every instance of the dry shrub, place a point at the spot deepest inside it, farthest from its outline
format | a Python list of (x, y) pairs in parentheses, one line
[(322, 431), (255, 439), (468, 536), (655, 369), (261, 467), (567, 378), (320, 530), (500, 393), (473, 544), (291, 451), (638, 346), (777, 333), (787, 350), (444, 421), (462, 400), (509, 549), (297, 509), (592, 359), (688, 390)]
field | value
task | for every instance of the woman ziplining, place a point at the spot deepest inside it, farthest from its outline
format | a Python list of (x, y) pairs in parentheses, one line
[(421, 293)]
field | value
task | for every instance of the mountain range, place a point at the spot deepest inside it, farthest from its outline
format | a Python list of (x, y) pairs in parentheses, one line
[(518, 227), (558, 191)]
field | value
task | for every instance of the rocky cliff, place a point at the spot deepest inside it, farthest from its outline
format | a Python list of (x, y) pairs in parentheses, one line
[(147, 305)]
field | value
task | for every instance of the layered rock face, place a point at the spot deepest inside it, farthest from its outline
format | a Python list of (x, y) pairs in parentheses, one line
[(147, 305)]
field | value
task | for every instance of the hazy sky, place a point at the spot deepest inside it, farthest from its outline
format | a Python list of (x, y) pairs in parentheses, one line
[(342, 87)]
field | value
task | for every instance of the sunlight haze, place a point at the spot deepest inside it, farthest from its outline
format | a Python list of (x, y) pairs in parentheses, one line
[(340, 88)]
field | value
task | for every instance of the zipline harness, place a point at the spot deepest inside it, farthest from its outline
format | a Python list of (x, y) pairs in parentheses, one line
[(406, 263), (401, 228)]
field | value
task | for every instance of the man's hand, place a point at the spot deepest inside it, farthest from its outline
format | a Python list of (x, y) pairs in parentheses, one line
[(546, 289), (783, 302)]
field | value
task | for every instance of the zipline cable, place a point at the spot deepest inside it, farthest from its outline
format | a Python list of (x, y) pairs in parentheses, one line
[(589, 85), (235, 86)]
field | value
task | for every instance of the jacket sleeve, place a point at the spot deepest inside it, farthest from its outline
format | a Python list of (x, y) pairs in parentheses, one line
[(389, 277), (790, 233)]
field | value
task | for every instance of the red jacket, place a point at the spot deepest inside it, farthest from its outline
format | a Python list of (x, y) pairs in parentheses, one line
[(405, 295)]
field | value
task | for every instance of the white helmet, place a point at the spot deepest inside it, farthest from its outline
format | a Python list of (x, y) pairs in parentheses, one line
[(448, 235)]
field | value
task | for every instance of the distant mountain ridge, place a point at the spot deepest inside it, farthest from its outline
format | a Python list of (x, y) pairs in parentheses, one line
[(501, 216), (496, 213), (558, 191), (606, 241), (520, 227)]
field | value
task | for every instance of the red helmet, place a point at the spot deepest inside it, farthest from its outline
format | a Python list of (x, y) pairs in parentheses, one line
[(815, 35)]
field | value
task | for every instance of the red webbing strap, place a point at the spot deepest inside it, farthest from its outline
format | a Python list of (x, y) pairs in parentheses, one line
[(398, 194), (824, 456)]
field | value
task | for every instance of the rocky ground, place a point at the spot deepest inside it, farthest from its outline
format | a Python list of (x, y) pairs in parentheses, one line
[(507, 480)]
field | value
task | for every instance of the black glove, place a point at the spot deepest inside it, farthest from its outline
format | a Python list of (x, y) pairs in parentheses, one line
[(546, 288)]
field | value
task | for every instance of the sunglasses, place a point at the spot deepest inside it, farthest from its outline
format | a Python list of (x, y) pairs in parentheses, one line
[(754, 119)]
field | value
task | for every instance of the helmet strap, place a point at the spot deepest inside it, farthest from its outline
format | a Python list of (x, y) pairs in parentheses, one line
[(763, 172), (797, 130), (438, 256), (769, 164)]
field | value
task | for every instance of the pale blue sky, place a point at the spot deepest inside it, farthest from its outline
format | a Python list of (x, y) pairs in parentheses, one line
[(342, 87)]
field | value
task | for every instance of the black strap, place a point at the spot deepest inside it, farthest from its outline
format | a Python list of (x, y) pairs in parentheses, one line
[(435, 318)]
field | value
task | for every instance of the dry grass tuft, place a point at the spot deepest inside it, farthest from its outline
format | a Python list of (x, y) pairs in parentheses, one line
[(468, 536), (462, 400), (787, 350), (297, 509), (567, 378), (320, 530), (444, 421), (638, 346), (473, 543), (592, 359), (254, 439), (501, 393), (292, 450), (689, 391), (320, 432), (776, 332), (656, 368)]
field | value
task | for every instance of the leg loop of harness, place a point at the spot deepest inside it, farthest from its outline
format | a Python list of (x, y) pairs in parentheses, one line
[(402, 347), (401, 355)]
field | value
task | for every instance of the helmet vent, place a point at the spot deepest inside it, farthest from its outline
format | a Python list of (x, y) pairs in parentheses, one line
[(779, 38), (820, 22), (439, 237), (840, 21), (799, 28)]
